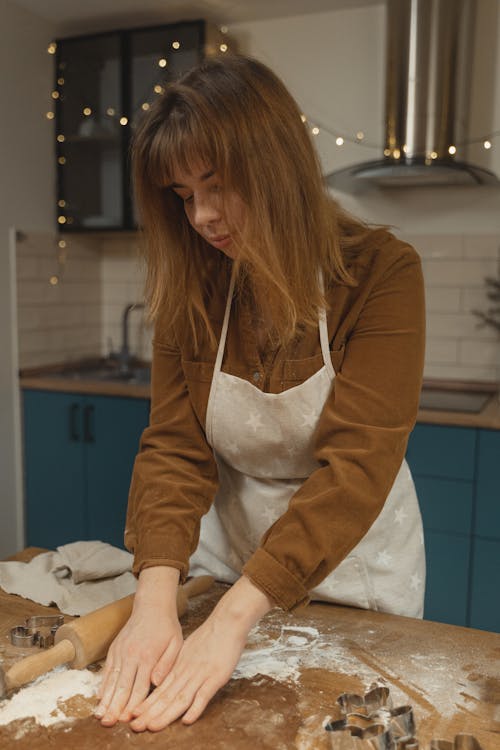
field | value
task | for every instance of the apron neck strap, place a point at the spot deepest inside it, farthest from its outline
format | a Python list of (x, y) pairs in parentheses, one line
[(323, 334), (225, 323)]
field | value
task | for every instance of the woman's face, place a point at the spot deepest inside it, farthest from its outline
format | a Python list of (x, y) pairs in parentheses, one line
[(216, 215)]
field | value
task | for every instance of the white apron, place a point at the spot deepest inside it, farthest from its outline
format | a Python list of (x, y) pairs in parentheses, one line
[(263, 446)]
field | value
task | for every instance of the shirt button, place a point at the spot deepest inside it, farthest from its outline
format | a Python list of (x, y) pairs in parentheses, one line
[(256, 376)]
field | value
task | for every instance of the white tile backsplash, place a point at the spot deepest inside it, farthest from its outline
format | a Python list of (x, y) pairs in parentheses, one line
[(82, 315)]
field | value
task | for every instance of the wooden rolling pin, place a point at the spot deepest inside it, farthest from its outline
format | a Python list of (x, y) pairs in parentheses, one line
[(87, 639)]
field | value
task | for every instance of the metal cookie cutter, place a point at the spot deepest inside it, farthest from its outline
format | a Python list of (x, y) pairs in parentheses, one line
[(350, 734), (461, 742), (28, 635), (375, 698)]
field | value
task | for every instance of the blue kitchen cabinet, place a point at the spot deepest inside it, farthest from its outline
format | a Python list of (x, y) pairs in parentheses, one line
[(54, 469), (442, 461), (485, 602), (487, 518), (79, 453), (485, 606), (456, 473), (447, 586)]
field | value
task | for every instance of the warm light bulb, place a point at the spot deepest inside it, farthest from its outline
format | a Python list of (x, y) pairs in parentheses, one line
[(176, 45), (62, 160), (51, 49), (396, 153), (339, 141), (123, 120), (87, 111), (61, 219), (61, 203), (62, 243), (49, 115), (387, 151), (452, 150), (145, 106), (223, 47), (315, 130), (158, 89), (360, 135), (434, 155), (61, 138), (303, 118), (223, 29), (162, 62), (60, 81), (54, 280), (110, 111), (487, 145), (55, 95)]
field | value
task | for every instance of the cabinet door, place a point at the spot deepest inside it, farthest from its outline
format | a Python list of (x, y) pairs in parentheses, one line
[(485, 602), (442, 461), (91, 132), (54, 468), (487, 521), (113, 427), (445, 504), (447, 586), (437, 451)]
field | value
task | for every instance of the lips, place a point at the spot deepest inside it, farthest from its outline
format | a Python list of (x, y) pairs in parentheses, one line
[(220, 240)]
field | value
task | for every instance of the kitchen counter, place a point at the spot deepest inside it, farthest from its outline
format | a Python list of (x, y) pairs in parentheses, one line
[(50, 379), (294, 668)]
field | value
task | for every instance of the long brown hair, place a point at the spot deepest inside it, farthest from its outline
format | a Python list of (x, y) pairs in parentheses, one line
[(234, 115)]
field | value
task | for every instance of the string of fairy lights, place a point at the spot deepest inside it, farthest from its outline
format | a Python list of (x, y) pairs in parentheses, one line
[(316, 128)]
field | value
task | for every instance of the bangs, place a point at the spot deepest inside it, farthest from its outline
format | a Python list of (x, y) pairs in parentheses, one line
[(180, 139)]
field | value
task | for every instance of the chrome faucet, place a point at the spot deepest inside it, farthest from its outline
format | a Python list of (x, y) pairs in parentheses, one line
[(124, 354)]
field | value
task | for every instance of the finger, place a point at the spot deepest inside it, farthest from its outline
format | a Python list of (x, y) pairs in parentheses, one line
[(173, 678), (166, 661), (139, 693), (123, 688), (167, 707), (108, 669), (107, 690), (201, 700)]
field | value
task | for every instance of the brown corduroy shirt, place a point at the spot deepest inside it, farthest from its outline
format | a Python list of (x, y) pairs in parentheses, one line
[(376, 332)]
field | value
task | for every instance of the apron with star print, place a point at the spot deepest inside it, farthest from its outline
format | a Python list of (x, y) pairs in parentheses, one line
[(263, 446)]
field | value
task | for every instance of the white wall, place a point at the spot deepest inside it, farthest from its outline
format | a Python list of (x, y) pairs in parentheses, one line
[(333, 63), (26, 201)]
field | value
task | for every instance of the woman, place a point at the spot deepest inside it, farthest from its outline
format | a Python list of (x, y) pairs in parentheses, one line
[(288, 356)]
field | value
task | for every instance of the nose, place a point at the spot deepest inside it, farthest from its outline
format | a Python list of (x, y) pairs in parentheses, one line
[(206, 211)]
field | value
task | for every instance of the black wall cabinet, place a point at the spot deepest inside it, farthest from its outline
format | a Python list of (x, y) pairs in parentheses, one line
[(104, 83)]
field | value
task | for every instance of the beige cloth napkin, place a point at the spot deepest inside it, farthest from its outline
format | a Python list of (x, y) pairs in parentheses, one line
[(77, 577)]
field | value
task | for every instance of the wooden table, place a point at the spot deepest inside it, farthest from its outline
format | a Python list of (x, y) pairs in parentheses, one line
[(294, 668)]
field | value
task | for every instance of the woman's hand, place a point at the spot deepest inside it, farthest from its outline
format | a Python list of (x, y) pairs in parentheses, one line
[(145, 649), (206, 661)]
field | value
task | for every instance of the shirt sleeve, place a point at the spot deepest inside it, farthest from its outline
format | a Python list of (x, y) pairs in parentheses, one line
[(175, 476), (360, 441)]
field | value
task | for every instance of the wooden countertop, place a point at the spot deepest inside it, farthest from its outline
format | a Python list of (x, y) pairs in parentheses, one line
[(294, 668), (488, 418)]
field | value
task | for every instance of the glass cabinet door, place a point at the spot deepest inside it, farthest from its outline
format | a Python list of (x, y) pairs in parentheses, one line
[(104, 84), (159, 55), (90, 132)]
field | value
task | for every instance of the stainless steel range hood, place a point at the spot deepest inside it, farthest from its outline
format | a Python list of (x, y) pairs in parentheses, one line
[(428, 71)]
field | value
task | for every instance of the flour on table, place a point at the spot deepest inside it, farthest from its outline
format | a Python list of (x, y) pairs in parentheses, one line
[(295, 649), (43, 700)]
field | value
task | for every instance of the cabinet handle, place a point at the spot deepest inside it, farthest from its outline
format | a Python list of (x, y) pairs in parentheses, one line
[(74, 435), (87, 424)]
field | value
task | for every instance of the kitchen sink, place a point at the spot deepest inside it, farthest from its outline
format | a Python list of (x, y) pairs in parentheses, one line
[(451, 400)]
